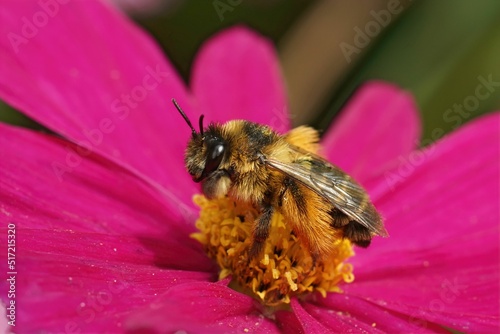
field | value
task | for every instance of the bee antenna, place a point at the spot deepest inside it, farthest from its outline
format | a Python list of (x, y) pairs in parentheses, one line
[(201, 124), (184, 116)]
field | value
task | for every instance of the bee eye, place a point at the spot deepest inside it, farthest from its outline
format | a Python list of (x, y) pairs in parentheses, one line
[(214, 158)]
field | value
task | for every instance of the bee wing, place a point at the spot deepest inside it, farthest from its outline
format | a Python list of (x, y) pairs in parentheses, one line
[(334, 185)]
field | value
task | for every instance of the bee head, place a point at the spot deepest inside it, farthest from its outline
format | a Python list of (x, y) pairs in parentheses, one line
[(205, 151)]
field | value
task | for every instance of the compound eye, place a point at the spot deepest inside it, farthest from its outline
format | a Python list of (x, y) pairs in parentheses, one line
[(214, 159)]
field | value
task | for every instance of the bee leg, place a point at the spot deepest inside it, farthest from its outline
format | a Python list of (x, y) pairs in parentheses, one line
[(261, 231), (286, 183), (315, 258)]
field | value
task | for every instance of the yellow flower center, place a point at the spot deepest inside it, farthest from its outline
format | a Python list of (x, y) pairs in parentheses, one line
[(284, 268)]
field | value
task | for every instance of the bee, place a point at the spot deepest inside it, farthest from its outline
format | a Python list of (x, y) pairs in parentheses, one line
[(280, 173)]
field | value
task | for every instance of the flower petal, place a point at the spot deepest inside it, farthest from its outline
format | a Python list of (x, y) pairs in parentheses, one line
[(441, 262), (77, 239), (379, 123), (4, 325), (203, 307), (99, 81), (86, 248), (300, 321), (343, 313), (49, 185), (87, 282), (236, 76)]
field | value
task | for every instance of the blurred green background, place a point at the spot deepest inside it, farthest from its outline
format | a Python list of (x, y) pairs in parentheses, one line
[(438, 50)]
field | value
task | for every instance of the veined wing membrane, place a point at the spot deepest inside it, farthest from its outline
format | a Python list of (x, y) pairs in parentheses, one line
[(335, 186)]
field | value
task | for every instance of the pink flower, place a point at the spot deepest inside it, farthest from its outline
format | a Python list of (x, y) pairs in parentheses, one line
[(103, 209)]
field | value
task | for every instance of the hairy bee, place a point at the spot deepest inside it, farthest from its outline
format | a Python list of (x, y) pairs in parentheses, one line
[(252, 163)]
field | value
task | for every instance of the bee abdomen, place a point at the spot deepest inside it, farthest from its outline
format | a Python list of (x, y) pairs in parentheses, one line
[(357, 233), (352, 230), (339, 219)]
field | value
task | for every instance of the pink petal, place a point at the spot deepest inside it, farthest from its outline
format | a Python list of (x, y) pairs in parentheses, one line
[(379, 123), (100, 225), (441, 262), (73, 74), (87, 282), (236, 76), (4, 325), (300, 321), (95, 195), (344, 313), (203, 308)]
